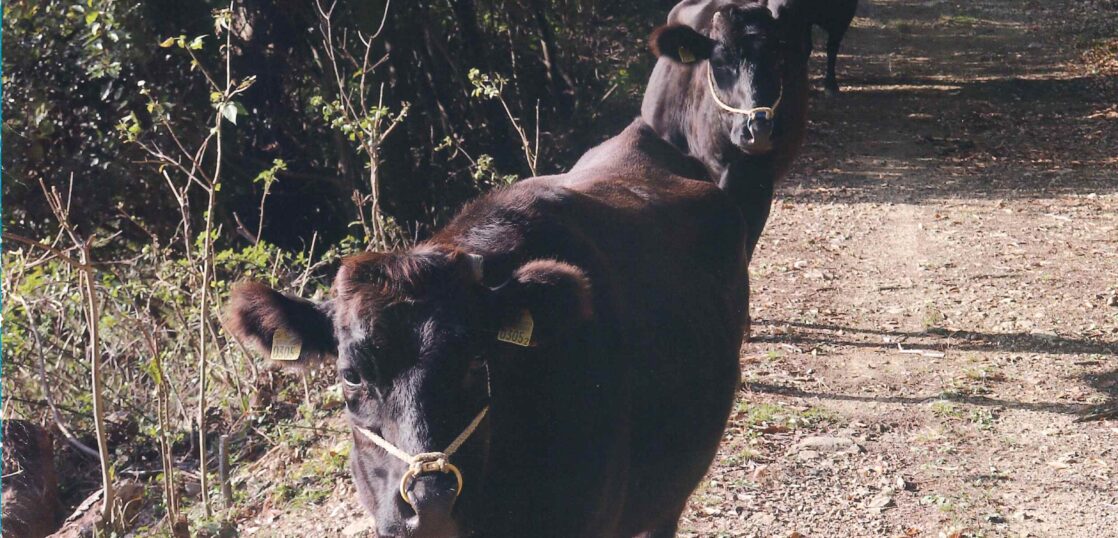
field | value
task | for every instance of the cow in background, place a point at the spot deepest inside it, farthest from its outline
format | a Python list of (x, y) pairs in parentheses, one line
[(835, 17), (730, 88)]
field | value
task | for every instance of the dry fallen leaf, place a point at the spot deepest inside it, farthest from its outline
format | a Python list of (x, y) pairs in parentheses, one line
[(759, 473), (882, 501), (772, 428)]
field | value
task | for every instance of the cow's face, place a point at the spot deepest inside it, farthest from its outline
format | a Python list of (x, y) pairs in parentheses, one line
[(744, 56), (412, 353), (414, 334)]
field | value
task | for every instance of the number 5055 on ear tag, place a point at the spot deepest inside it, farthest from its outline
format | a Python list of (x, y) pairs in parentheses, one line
[(518, 331), (286, 346)]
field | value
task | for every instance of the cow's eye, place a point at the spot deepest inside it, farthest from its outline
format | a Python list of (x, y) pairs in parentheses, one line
[(351, 377)]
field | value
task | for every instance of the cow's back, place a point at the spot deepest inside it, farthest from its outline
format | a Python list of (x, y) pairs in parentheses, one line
[(673, 243), (662, 204)]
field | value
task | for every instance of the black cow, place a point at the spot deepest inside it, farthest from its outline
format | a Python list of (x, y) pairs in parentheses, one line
[(835, 17), (730, 88), (595, 315)]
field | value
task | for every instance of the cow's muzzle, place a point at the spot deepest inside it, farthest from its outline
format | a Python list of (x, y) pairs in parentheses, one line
[(432, 496), (761, 131), (431, 484), (753, 135)]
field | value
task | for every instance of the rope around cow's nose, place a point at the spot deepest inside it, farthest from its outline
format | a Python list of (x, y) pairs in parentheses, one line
[(426, 462), (751, 112)]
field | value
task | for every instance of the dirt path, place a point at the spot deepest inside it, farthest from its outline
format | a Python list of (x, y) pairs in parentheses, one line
[(936, 299), (960, 199)]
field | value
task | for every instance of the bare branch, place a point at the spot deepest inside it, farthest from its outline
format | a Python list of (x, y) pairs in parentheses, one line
[(61, 255)]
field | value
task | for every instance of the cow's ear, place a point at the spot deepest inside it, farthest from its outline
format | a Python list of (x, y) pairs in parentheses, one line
[(543, 300), (291, 332), (680, 43)]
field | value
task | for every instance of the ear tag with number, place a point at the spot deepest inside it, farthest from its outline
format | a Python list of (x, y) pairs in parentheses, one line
[(685, 55), (518, 331), (286, 346)]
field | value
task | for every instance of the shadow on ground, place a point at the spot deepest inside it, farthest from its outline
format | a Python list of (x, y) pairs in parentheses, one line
[(959, 340), (1046, 407), (1106, 383), (995, 122)]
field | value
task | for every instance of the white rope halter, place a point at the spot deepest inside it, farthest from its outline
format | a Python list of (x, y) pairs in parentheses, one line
[(752, 113), (426, 462)]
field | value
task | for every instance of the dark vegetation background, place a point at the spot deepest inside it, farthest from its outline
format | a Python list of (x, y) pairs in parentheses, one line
[(72, 72)]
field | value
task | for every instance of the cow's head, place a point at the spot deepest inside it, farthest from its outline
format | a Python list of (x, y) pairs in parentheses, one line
[(413, 334), (741, 64)]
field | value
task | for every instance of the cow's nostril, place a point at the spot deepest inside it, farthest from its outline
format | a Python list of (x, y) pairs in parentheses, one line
[(431, 512), (433, 502), (760, 129), (406, 509), (760, 134), (433, 494)]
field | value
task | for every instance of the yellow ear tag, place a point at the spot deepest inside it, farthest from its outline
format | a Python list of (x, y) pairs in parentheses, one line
[(285, 346), (518, 332), (685, 55)]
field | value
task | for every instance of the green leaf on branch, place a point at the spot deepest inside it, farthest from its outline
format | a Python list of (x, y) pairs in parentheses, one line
[(267, 177), (231, 109)]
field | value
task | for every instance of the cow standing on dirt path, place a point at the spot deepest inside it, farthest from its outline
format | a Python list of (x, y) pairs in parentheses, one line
[(572, 341), (835, 17), (730, 89)]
